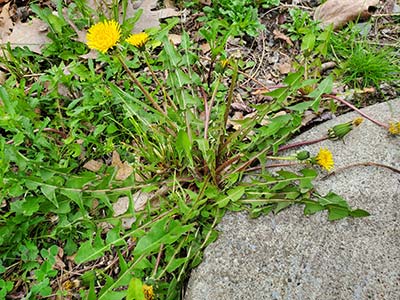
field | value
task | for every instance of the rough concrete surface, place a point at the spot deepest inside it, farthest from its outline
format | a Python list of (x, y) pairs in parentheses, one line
[(290, 256)]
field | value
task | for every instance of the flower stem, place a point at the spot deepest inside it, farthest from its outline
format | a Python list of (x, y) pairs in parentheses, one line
[(368, 163), (300, 144), (357, 110), (141, 87), (146, 58), (209, 107), (227, 110)]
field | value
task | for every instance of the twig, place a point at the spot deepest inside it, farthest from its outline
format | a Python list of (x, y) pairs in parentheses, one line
[(208, 108), (158, 260)]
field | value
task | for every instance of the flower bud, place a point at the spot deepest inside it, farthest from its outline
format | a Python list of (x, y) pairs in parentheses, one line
[(303, 155), (337, 132)]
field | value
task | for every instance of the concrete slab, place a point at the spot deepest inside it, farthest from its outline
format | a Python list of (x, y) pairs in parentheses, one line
[(290, 256)]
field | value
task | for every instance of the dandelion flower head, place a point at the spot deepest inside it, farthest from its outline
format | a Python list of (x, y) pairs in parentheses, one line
[(148, 292), (394, 128), (103, 35), (325, 159), (357, 121), (138, 39)]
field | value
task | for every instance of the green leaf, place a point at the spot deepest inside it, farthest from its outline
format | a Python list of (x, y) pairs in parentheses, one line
[(8, 104), (75, 196), (306, 182), (311, 207), (30, 207), (232, 195), (301, 107), (87, 252), (308, 42), (325, 87), (164, 232), (276, 124), (359, 213), (332, 198), (337, 212), (124, 279), (294, 78), (135, 290), (280, 206), (183, 145), (50, 193), (176, 263)]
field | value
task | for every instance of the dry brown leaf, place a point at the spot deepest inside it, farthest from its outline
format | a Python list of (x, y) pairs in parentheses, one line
[(205, 2), (237, 116), (280, 35), (150, 18), (205, 47), (6, 24), (59, 264), (285, 68), (260, 91), (340, 12), (80, 33), (36, 38), (175, 39), (93, 165), (121, 206), (169, 4), (124, 170)]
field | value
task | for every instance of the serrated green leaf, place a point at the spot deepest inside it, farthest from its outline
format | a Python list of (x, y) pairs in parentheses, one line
[(30, 207), (75, 196), (276, 124), (87, 252), (107, 292), (8, 104), (305, 183), (50, 193)]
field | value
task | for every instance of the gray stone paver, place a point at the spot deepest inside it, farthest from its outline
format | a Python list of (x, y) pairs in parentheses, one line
[(290, 256)]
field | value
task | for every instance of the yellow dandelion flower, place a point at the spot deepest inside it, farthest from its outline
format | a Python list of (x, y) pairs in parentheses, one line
[(224, 62), (103, 35), (148, 292), (394, 128), (357, 121), (138, 39), (325, 159)]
